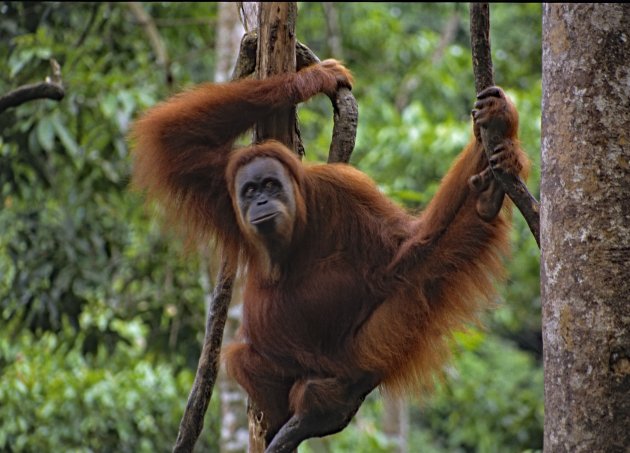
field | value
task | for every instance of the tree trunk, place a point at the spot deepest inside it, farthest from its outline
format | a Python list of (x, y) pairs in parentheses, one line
[(585, 188), (333, 30), (234, 432), (275, 55), (229, 32), (396, 422)]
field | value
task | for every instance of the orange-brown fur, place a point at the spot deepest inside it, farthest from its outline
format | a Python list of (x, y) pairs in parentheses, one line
[(366, 289)]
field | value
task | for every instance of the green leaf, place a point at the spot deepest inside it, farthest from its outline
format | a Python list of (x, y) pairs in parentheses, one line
[(68, 141), (46, 133)]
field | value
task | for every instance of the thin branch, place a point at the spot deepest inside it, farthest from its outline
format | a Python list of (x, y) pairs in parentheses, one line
[(513, 186), (86, 30), (447, 37), (346, 118), (192, 421), (480, 44), (150, 29), (191, 424), (52, 88)]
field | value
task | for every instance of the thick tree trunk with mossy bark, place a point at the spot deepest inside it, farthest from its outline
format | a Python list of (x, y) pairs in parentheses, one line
[(585, 271)]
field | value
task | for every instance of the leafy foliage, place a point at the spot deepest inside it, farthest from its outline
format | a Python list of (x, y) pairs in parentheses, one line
[(490, 402), (75, 234), (54, 398)]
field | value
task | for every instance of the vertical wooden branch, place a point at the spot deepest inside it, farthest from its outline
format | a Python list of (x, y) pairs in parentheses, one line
[(275, 55), (192, 421), (480, 44), (346, 118), (191, 424), (513, 186), (344, 133), (155, 40), (345, 113)]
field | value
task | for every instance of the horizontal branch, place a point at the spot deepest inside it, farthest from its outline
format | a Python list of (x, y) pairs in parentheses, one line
[(25, 93), (52, 88)]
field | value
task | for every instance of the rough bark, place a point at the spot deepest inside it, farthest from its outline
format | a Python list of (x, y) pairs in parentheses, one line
[(585, 189), (249, 15), (275, 55)]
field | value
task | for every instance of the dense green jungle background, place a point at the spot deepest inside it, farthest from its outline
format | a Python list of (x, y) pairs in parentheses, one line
[(102, 316)]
